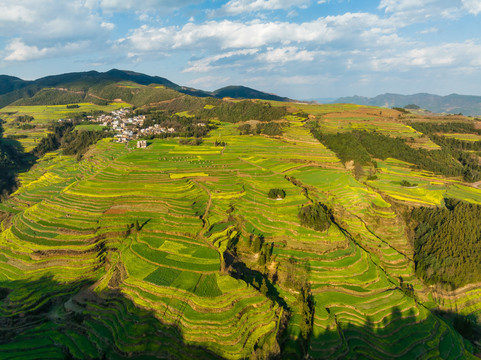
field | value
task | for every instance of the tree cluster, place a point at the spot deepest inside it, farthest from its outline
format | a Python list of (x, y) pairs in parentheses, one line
[(257, 244), (77, 142), (447, 243), (429, 128), (458, 149), (245, 110), (407, 183), (270, 128), (220, 143), (53, 140), (72, 142), (276, 194), (316, 216), (400, 109), (361, 145), (23, 119), (12, 160), (191, 141), (347, 146), (306, 304)]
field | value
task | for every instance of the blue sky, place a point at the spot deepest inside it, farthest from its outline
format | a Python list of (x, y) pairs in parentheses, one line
[(303, 49)]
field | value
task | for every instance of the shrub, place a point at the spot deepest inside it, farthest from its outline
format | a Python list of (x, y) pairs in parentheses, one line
[(276, 194), (407, 183)]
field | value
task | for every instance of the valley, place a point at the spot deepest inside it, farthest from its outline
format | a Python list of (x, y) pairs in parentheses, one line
[(178, 250)]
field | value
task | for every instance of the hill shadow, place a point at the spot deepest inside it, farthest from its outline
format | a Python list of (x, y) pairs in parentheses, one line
[(13, 160), (397, 335), (45, 319)]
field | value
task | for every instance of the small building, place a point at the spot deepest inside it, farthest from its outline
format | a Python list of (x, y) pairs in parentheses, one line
[(142, 144)]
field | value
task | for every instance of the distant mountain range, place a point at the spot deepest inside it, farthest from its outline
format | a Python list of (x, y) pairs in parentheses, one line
[(13, 88), (451, 104)]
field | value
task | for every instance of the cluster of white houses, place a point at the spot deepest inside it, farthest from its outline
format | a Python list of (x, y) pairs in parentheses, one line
[(157, 129), (127, 127)]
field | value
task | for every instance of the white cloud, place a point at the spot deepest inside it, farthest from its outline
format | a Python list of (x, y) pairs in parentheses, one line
[(135, 5), (409, 11), (285, 54), (21, 52), (206, 64), (448, 55), (49, 20), (209, 82), (228, 34), (472, 6), (235, 7), (107, 25), (429, 31), (298, 80), (14, 12)]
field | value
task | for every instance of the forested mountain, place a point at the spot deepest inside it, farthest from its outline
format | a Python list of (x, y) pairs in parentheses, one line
[(242, 92), (81, 83), (11, 83)]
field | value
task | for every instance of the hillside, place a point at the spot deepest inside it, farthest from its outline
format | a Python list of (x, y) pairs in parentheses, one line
[(81, 85), (11, 83), (242, 92), (252, 229), (451, 104)]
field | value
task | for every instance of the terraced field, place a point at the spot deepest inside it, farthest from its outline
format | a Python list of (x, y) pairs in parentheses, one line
[(128, 253), (42, 118)]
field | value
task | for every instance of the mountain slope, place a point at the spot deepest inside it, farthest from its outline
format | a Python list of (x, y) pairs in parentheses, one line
[(452, 104), (11, 83), (243, 92), (13, 89)]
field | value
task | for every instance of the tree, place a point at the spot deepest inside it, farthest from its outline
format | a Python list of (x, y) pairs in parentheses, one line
[(263, 288), (358, 171), (257, 243)]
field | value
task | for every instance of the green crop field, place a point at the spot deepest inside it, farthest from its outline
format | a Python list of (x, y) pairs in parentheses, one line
[(145, 253)]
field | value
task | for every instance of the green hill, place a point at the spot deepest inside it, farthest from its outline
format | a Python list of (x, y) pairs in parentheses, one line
[(242, 92), (11, 83), (96, 86)]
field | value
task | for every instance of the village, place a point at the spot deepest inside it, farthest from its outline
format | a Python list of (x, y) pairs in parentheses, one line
[(127, 126)]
